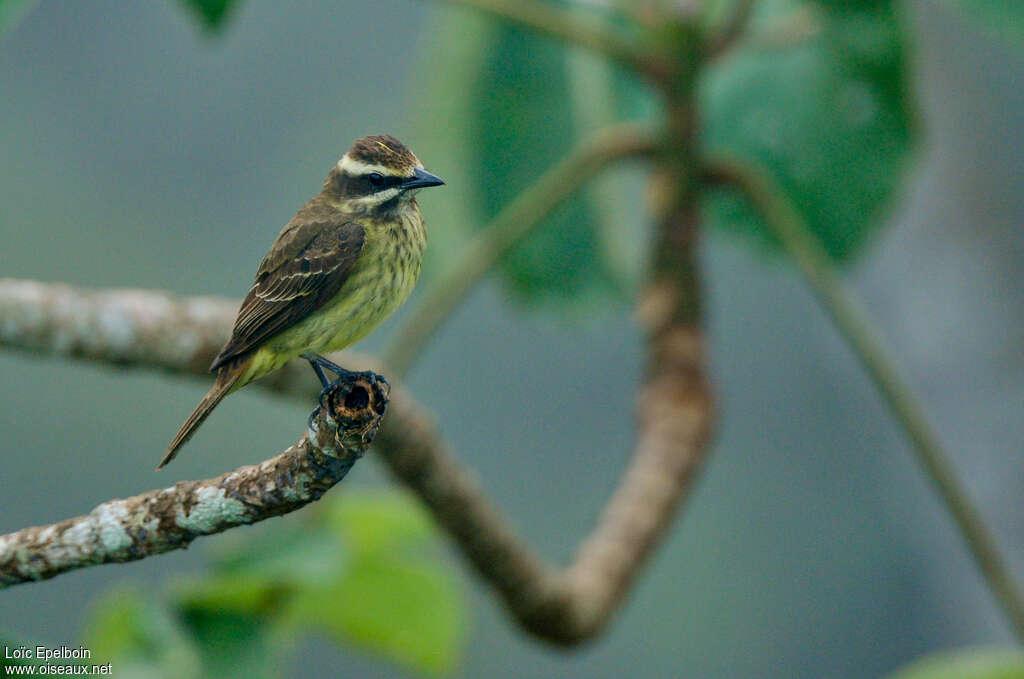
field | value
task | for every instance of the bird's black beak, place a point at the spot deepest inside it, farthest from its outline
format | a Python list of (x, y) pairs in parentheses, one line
[(421, 179)]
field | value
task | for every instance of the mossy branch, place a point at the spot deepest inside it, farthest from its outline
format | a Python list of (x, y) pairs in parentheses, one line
[(152, 329), (171, 518)]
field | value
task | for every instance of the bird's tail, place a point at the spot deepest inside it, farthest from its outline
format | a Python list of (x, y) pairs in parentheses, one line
[(222, 386)]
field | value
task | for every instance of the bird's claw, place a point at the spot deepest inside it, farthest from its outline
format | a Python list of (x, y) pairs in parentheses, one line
[(320, 364), (312, 416), (374, 379)]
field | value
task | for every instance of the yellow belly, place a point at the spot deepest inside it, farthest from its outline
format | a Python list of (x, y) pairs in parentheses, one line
[(381, 281)]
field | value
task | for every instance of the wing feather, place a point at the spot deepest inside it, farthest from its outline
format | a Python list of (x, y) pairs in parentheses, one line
[(305, 268)]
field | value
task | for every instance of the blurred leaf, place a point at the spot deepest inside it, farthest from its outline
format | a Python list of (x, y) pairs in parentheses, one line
[(255, 572), (12, 12), (513, 104), (597, 92), (234, 644), (204, 636), (975, 663), (212, 14), (371, 522), (359, 570), (404, 610), (140, 637), (1004, 19), (237, 592), (300, 552), (391, 597), (824, 106), (714, 14)]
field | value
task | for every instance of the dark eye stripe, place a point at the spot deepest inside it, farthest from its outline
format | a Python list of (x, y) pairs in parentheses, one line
[(360, 185), (386, 182)]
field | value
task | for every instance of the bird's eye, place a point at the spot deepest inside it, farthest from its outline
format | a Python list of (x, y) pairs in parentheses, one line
[(376, 179)]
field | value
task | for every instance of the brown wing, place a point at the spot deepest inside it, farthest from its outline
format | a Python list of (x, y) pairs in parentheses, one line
[(307, 266)]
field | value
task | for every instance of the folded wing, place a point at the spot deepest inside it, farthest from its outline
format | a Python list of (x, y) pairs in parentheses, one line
[(306, 267)]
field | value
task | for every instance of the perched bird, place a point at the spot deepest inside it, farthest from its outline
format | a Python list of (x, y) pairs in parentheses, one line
[(344, 262)]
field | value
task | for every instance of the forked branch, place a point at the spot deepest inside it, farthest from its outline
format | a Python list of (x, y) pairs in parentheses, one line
[(157, 330)]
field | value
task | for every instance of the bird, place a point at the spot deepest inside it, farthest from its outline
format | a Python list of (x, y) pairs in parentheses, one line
[(346, 260)]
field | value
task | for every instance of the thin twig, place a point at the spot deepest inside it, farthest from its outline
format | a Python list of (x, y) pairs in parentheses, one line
[(571, 27), (170, 518), (853, 323), (516, 221)]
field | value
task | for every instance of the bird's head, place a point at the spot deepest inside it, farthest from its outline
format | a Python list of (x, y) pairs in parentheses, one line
[(379, 173)]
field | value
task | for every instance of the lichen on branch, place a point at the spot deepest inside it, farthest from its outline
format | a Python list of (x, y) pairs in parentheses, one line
[(171, 518)]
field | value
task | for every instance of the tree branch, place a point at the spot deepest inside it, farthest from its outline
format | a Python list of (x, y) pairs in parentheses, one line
[(856, 328), (514, 223), (171, 518), (562, 24), (155, 329), (573, 604)]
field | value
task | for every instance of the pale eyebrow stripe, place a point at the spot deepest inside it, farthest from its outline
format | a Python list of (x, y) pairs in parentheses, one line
[(355, 167)]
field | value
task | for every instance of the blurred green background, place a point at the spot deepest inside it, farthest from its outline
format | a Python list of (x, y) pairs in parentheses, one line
[(140, 150)]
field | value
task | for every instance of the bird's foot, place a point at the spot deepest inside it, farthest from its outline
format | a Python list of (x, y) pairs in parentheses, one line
[(321, 364), (312, 416)]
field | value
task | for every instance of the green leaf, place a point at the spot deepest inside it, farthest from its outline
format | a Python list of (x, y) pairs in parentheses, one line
[(235, 644), (211, 14), (143, 638), (974, 663), (391, 596), (404, 610), (12, 12), (1003, 19), (140, 637), (513, 104), (359, 570), (370, 522), (255, 573), (238, 593), (301, 552), (818, 97)]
